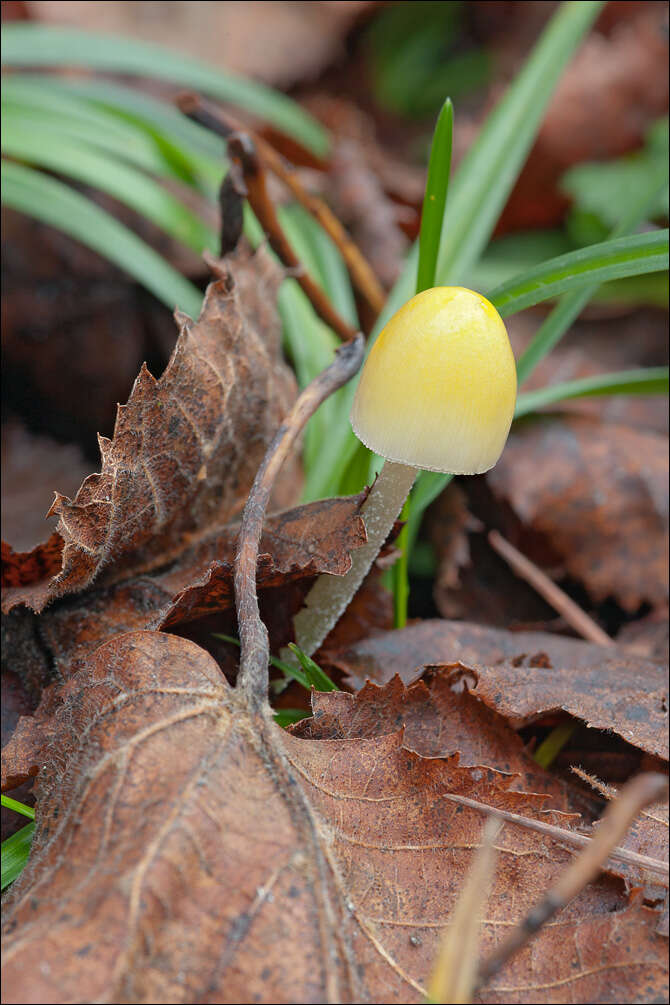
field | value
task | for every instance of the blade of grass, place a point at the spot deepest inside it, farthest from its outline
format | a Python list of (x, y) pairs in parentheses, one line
[(571, 305), (290, 672), (15, 852), (489, 170), (36, 102), (553, 744), (191, 152), (53, 203), (313, 672), (435, 197), (434, 202), (650, 380), (287, 716), (14, 804), (46, 147), (626, 256), (133, 105), (46, 45)]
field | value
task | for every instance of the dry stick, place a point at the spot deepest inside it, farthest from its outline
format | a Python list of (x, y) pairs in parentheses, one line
[(553, 594), (618, 817), (560, 834), (362, 275), (242, 153), (255, 649)]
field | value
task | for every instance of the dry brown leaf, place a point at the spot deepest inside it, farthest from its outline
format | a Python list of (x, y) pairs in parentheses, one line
[(31, 466), (625, 695), (257, 866), (524, 674), (296, 546), (185, 447), (440, 718), (56, 293), (597, 495)]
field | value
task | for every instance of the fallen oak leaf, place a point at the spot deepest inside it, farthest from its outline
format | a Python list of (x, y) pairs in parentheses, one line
[(260, 866), (185, 447)]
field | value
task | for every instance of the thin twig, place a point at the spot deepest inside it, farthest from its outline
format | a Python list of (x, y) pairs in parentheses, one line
[(560, 834), (245, 159), (255, 652), (618, 817), (362, 275), (547, 588)]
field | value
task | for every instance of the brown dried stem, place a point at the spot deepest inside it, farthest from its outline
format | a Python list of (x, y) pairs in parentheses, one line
[(245, 160), (255, 651), (619, 815), (547, 588), (362, 276)]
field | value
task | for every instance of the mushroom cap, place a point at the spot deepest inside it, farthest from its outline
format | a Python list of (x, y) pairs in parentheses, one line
[(438, 388)]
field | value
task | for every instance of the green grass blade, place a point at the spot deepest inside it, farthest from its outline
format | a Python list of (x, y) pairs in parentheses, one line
[(598, 263), (650, 380), (47, 147), (435, 198), (44, 45), (432, 218), (133, 105), (552, 745), (290, 672), (571, 305), (315, 675), (55, 204), (14, 804), (287, 716), (152, 138), (490, 168), (15, 852)]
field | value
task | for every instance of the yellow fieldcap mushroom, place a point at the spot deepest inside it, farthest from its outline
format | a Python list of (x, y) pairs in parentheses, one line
[(437, 392), (439, 386)]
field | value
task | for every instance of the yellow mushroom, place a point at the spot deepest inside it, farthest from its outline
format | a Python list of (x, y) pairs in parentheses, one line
[(437, 392)]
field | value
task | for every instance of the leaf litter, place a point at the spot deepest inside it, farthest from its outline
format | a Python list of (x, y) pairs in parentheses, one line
[(317, 864), (335, 862)]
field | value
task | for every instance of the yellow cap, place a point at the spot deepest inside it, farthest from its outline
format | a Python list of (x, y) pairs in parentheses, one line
[(439, 386)]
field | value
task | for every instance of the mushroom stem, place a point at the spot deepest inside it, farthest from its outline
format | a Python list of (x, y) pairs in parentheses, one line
[(331, 595)]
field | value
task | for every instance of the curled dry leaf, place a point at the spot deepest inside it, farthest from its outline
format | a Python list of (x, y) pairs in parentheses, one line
[(525, 674), (625, 695), (597, 494), (185, 448), (260, 866)]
